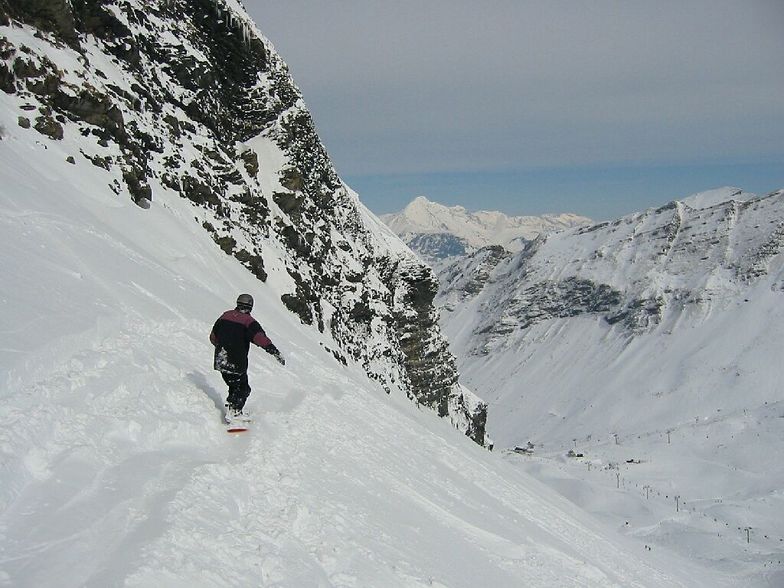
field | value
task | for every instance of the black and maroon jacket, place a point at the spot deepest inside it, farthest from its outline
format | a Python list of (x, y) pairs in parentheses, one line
[(232, 335)]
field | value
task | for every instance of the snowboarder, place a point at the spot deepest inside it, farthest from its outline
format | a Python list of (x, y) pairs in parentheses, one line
[(232, 335)]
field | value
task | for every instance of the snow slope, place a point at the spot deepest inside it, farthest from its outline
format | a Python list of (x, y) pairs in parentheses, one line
[(115, 469), (653, 340)]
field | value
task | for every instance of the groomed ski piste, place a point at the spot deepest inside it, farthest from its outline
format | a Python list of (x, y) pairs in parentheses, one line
[(117, 469)]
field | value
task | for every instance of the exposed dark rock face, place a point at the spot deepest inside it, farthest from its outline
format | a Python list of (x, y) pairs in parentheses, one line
[(50, 15), (561, 299), (46, 125), (437, 246), (251, 160), (415, 321), (467, 278), (192, 100)]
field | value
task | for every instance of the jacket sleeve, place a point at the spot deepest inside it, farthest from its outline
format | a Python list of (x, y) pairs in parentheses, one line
[(262, 340), (213, 336), (258, 336)]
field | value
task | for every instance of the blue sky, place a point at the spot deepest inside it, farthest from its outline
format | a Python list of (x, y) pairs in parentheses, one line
[(599, 108)]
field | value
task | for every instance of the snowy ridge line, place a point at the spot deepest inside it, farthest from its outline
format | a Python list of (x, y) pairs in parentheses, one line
[(629, 278)]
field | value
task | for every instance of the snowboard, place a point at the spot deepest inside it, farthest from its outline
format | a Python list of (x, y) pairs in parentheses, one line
[(237, 425)]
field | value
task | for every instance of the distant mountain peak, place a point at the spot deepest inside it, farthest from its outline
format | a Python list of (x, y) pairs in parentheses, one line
[(436, 231), (420, 201)]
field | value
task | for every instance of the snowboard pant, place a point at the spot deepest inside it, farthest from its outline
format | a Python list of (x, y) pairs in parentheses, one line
[(239, 389)]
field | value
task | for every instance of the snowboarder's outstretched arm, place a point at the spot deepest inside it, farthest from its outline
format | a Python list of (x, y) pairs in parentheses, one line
[(261, 339)]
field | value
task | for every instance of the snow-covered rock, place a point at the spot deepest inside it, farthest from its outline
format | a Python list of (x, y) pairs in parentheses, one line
[(190, 99)]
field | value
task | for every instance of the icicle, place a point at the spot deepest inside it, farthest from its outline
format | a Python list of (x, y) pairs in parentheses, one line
[(245, 33), (234, 20)]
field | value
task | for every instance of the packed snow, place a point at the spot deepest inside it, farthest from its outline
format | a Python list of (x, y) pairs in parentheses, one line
[(116, 468)]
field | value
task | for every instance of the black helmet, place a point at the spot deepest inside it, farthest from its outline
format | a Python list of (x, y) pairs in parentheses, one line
[(245, 302)]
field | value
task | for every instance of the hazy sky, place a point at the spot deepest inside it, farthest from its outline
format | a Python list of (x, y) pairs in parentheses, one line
[(595, 107)]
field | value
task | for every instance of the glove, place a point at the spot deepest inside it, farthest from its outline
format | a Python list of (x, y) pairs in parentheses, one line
[(274, 352)]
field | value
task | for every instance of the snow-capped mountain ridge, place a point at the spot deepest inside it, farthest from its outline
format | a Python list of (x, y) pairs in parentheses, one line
[(439, 231), (639, 271), (714, 197), (480, 228)]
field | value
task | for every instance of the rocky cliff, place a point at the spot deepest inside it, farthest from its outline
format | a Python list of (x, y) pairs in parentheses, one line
[(187, 98)]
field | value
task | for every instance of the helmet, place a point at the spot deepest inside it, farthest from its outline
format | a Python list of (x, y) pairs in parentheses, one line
[(245, 302)]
